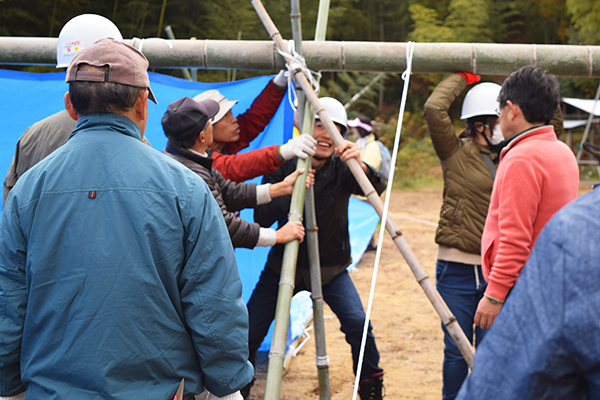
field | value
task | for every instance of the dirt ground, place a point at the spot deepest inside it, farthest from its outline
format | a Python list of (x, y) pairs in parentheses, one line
[(406, 326)]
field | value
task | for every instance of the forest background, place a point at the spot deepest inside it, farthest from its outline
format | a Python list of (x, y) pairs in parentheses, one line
[(494, 21)]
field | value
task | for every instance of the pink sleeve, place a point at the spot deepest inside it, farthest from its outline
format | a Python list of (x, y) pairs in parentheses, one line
[(519, 193)]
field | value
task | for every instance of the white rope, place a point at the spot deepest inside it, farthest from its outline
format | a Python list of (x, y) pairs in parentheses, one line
[(298, 62), (139, 43), (410, 46)]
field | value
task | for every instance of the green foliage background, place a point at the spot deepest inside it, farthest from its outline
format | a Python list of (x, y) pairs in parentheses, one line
[(499, 21)]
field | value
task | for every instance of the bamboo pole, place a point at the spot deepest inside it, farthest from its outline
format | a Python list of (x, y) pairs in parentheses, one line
[(588, 125), (307, 116), (286, 291), (162, 17), (434, 297), (315, 272), (363, 90), (480, 58)]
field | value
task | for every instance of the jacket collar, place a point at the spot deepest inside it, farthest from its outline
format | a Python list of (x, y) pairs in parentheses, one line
[(206, 162), (108, 122), (538, 131)]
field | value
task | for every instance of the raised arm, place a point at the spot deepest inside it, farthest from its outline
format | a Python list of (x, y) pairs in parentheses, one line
[(444, 139), (254, 120)]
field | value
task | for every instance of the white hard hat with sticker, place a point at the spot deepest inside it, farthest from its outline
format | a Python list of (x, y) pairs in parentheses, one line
[(81, 31)]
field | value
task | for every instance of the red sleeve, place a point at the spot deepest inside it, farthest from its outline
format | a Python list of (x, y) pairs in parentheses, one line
[(241, 167), (253, 120)]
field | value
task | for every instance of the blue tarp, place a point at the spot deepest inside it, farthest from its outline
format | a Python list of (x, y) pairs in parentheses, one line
[(27, 98)]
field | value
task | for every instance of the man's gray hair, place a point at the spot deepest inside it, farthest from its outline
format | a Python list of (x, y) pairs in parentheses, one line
[(102, 97)]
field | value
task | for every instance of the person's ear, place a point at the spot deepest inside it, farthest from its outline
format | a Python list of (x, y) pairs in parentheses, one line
[(69, 107), (514, 110), (141, 105)]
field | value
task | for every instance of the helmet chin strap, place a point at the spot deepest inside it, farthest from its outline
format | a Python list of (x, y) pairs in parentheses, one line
[(495, 147), (485, 137)]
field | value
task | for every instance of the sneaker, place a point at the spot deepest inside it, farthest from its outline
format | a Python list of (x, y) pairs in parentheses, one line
[(371, 388)]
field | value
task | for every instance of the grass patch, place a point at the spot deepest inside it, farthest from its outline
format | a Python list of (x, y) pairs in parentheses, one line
[(417, 165)]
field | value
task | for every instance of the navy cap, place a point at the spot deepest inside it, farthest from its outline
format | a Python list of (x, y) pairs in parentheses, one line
[(186, 118)]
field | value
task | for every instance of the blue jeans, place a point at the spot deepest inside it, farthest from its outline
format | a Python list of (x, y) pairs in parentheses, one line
[(343, 299), (461, 286)]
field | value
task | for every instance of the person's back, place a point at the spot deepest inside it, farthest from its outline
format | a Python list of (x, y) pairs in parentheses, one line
[(103, 273), (537, 175), (37, 142)]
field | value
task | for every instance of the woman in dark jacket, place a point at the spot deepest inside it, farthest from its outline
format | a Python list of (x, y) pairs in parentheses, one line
[(468, 164)]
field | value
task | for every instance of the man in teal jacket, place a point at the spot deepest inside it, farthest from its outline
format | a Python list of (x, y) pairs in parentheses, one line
[(117, 274)]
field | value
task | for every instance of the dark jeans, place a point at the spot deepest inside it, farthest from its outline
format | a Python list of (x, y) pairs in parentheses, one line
[(461, 289), (341, 296)]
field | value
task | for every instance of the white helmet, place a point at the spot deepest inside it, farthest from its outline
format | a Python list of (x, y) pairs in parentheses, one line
[(482, 99), (80, 32), (336, 112), (224, 104)]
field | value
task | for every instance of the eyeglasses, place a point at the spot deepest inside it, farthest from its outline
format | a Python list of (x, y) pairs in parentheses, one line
[(499, 109)]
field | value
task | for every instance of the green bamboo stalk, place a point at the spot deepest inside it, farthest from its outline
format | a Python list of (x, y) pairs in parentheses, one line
[(313, 241), (434, 297), (162, 17), (286, 291), (479, 58)]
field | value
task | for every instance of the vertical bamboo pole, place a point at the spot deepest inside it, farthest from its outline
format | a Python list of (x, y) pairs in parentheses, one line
[(588, 124), (162, 17), (286, 290), (317, 294), (434, 297), (312, 235)]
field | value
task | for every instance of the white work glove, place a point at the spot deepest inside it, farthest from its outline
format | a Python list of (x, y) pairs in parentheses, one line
[(281, 79), (233, 396), (303, 146)]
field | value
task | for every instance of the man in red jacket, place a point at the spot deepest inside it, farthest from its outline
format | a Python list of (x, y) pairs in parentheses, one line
[(537, 176), (232, 134)]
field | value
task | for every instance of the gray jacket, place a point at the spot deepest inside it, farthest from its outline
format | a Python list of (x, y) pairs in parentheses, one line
[(230, 196)]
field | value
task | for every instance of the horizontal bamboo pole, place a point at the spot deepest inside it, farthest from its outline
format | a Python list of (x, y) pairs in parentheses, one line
[(480, 58)]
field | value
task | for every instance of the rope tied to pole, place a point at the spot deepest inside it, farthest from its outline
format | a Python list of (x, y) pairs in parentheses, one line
[(297, 63), (410, 47), (139, 43), (322, 361)]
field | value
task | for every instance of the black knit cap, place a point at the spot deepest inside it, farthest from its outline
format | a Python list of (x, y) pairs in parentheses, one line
[(186, 118)]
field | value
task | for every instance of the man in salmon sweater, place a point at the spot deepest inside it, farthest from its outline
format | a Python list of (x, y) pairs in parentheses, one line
[(537, 175)]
